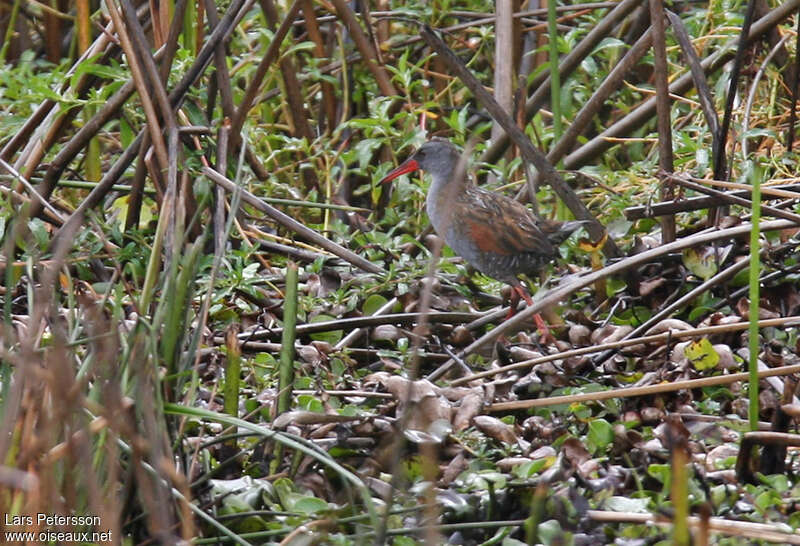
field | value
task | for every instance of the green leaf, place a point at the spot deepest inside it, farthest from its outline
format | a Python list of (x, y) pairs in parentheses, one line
[(698, 312), (661, 472), (626, 504), (618, 228), (309, 402), (701, 354), (615, 286), (531, 468), (703, 262), (309, 505), (700, 263), (766, 500), (365, 151), (126, 134), (601, 434), (758, 132), (550, 532), (606, 43), (779, 482), (332, 336), (373, 303)]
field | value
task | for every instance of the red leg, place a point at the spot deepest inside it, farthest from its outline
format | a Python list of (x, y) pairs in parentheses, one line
[(521, 293), (513, 302), (544, 331)]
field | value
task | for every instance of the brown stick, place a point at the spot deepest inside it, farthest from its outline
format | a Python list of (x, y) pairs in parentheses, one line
[(139, 42), (221, 70), (153, 125), (44, 111), (596, 101), (693, 203), (664, 122), (746, 529), (622, 343), (364, 47), (328, 96), (293, 91), (176, 97), (255, 84), (81, 138), (504, 70), (698, 76), (720, 166), (136, 196), (732, 199)]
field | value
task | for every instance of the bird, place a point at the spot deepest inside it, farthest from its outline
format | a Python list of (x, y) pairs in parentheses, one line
[(497, 235)]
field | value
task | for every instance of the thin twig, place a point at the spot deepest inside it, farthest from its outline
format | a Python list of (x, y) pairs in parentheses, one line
[(364, 322), (250, 95), (35, 195), (719, 278), (629, 342), (732, 199), (744, 529), (753, 87), (629, 392)]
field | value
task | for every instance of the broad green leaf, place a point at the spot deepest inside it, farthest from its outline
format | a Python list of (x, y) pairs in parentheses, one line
[(550, 532), (531, 468), (373, 303), (606, 43), (703, 262), (701, 354), (310, 402), (309, 505), (332, 336), (661, 472), (601, 434), (778, 482), (700, 262)]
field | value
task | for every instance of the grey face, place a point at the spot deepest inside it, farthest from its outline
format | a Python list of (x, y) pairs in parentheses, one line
[(438, 158)]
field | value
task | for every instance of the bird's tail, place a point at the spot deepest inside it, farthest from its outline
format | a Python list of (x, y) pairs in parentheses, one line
[(564, 230)]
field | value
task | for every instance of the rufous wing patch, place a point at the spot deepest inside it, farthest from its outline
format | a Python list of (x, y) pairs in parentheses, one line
[(486, 238)]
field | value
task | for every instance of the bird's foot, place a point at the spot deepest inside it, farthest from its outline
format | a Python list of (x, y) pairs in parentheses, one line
[(545, 336)]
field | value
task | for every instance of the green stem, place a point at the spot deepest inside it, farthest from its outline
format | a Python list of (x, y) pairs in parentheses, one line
[(555, 78), (154, 262), (680, 495), (233, 368), (555, 88), (756, 174), (12, 23), (286, 377), (286, 370)]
